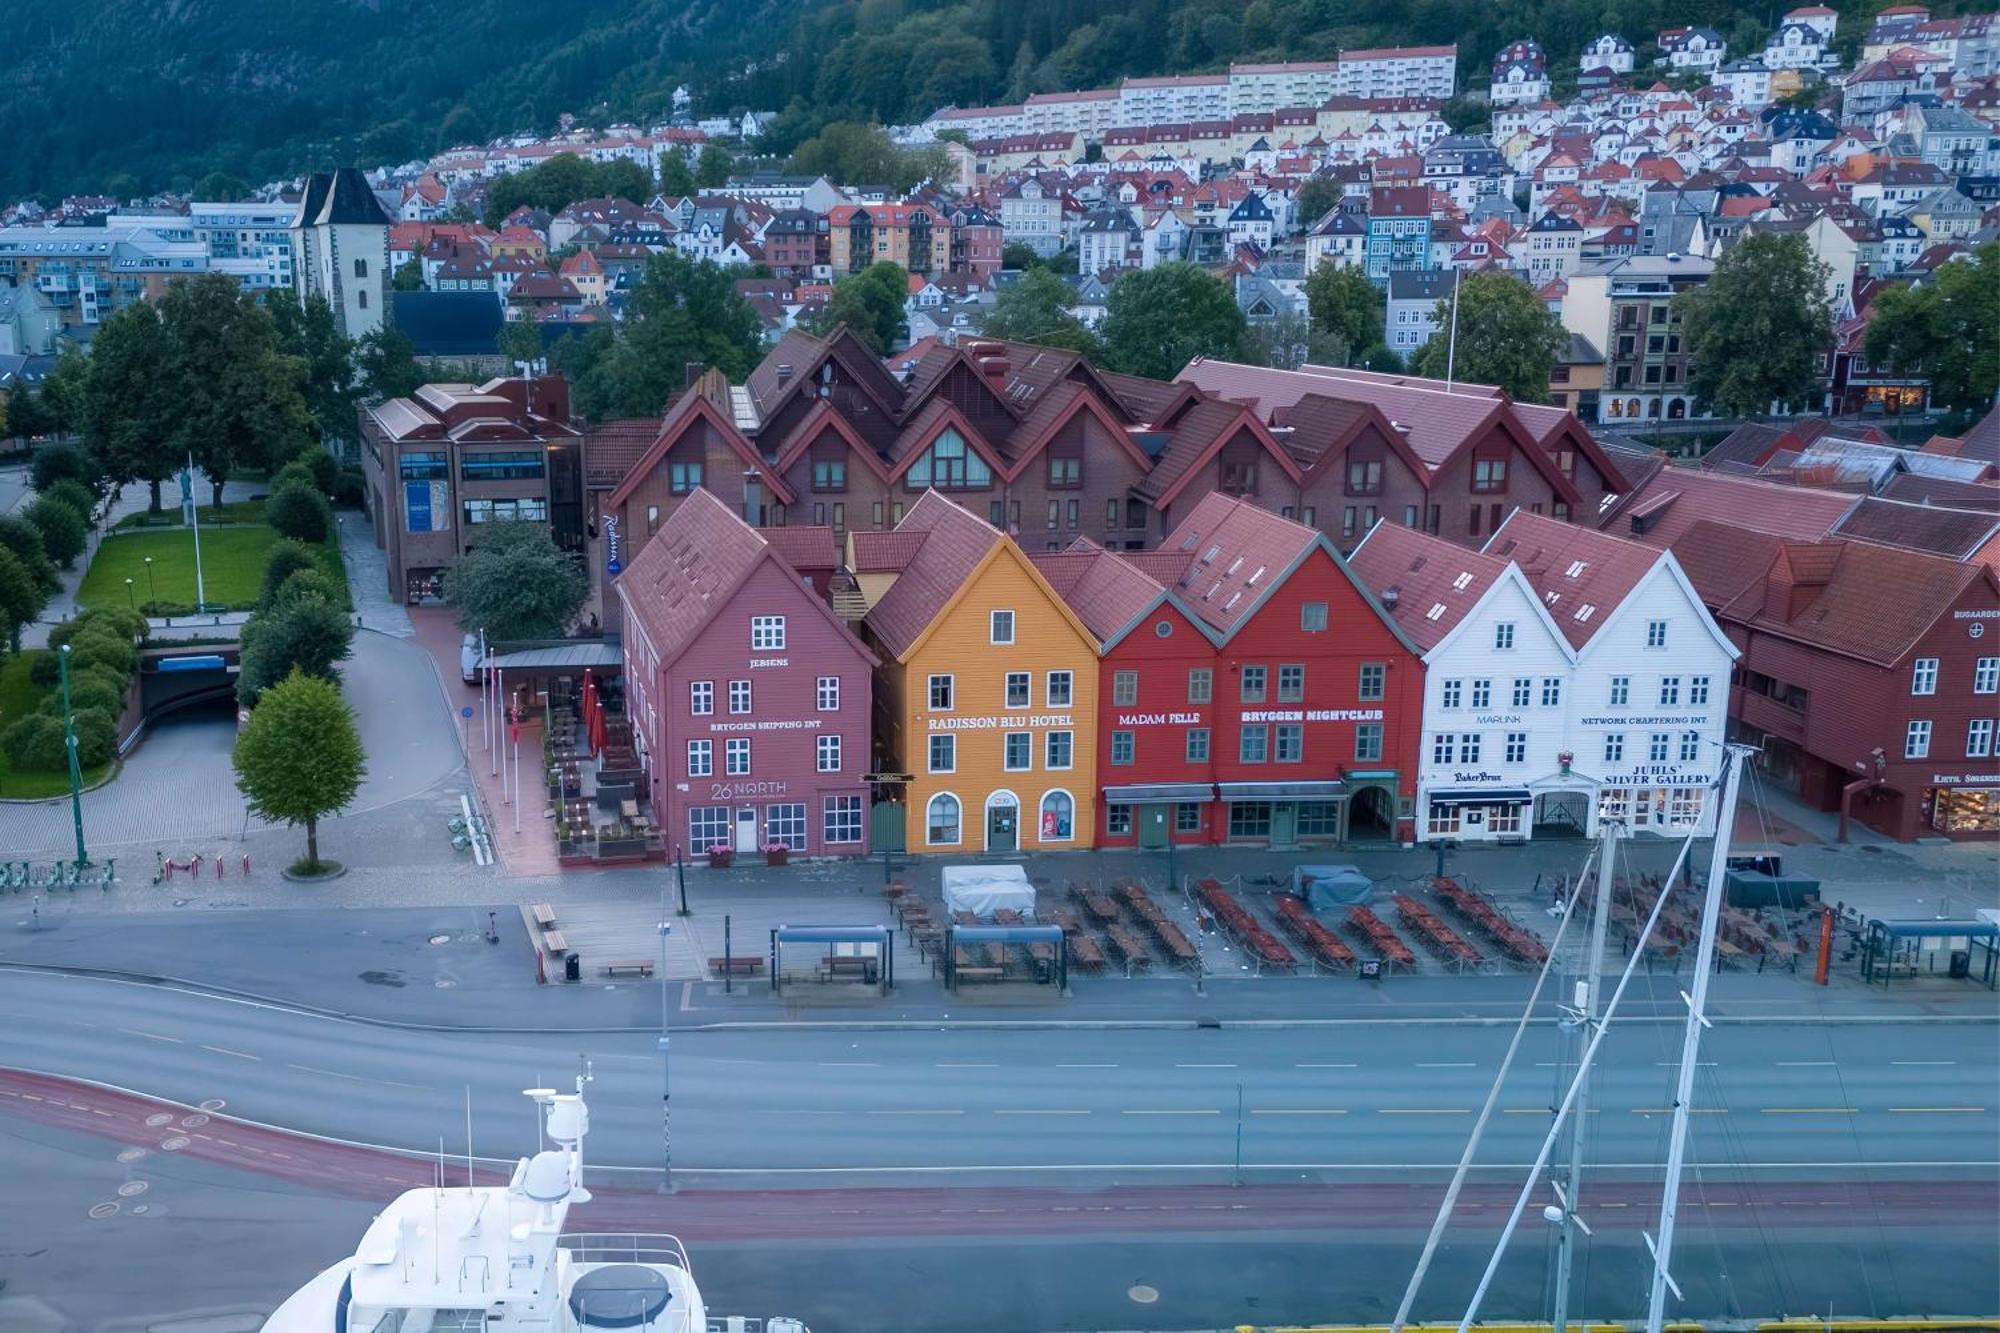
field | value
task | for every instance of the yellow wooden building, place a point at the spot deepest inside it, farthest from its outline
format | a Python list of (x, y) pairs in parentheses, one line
[(986, 702)]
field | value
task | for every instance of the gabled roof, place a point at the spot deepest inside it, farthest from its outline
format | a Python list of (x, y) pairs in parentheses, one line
[(1319, 428), (692, 567), (1108, 593), (819, 419), (1197, 435), (1956, 534), (954, 544), (1426, 584), (1661, 510), (682, 414), (1582, 576)]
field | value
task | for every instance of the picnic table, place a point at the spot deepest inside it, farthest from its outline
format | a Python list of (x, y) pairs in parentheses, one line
[(1128, 947), (1099, 905)]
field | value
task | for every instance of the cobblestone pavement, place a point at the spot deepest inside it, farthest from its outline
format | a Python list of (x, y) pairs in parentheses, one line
[(367, 576)]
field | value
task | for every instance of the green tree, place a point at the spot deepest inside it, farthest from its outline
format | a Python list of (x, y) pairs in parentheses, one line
[(1506, 337), (75, 494), (281, 561), (851, 153), (1948, 329), (24, 540), (409, 275), (1756, 330), (1290, 341), (682, 311), (25, 417), (515, 584), (61, 462), (1317, 198), (1019, 255), (299, 759), (387, 362), (300, 513), (131, 401), (873, 303), (716, 164), (520, 340), (1158, 320), (219, 187), (21, 598), (1342, 302), (309, 334), (303, 631), (240, 397), (1038, 308), (64, 531), (676, 178), (65, 391)]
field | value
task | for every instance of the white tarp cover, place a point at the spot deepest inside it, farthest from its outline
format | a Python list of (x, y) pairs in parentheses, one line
[(984, 890)]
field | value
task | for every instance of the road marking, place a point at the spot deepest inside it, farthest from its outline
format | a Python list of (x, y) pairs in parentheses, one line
[(1668, 1110), (1036, 1111), (1454, 1064), (1526, 1110), (850, 1064), (1923, 1062), (224, 1050), (1805, 1064), (1675, 1064), (1938, 1110), (151, 1036), (1812, 1110), (916, 1113), (1329, 1066), (1086, 1066), (1295, 1111), (969, 1064), (1205, 1112), (330, 1073), (1204, 1066), (1423, 1110)]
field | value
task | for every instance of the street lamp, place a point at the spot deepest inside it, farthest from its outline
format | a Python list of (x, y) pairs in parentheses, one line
[(131, 598), (666, 1079), (75, 769), (152, 590)]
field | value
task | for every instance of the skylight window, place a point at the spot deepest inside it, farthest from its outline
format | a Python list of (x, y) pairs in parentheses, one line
[(1208, 556), (1462, 582), (1553, 598), (1235, 564), (1436, 611), (1586, 611), (1576, 568)]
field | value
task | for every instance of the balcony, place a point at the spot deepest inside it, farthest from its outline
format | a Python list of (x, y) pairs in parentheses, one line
[(1769, 715)]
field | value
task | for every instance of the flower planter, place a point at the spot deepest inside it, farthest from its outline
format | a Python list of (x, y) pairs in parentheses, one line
[(777, 856), (721, 860)]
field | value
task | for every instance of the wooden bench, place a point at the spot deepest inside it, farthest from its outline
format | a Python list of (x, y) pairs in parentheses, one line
[(845, 965), (738, 964), (553, 942), (633, 967), (545, 915), (965, 974)]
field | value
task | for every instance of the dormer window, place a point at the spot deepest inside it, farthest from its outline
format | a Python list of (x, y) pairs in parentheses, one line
[(949, 465)]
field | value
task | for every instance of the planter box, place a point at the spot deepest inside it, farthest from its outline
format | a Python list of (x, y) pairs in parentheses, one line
[(721, 860), (777, 858)]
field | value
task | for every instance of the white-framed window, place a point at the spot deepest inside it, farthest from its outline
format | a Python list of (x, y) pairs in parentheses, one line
[(1482, 694), (1117, 820), (1312, 617), (736, 756), (1020, 689), (1697, 690), (1621, 691), (1517, 747), (1449, 697), (1058, 816), (1201, 684), (1917, 741), (767, 635), (1123, 747), (1924, 676), (1197, 745), (944, 753), (1000, 627), (786, 824), (1979, 738), (1468, 747), (1291, 684), (829, 754), (1061, 688), (1524, 691), (708, 826), (1656, 747), (1288, 742), (1614, 747), (739, 697), (941, 694), (1503, 635), (941, 820), (701, 758), (1124, 688), (1552, 691), (1368, 742), (1017, 751), (1059, 749), (1670, 691), (701, 697), (1443, 820), (1986, 675), (1656, 634), (827, 695), (840, 820), (1444, 746), (1690, 746)]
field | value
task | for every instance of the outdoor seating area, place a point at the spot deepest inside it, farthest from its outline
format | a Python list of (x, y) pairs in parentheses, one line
[(595, 783), (1521, 945), (1766, 935)]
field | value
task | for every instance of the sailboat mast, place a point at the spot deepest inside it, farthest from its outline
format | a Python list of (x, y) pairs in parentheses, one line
[(1704, 965), (1586, 1003)]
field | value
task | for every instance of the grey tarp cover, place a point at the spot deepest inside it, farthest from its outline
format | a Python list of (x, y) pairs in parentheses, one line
[(984, 890), (1331, 886)]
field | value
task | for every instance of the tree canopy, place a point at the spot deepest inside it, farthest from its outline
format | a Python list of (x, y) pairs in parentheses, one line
[(682, 311), (860, 154), (1948, 328), (129, 405), (299, 758), (1757, 329), (1039, 307), (515, 583), (1158, 320), (872, 303), (1506, 337), (560, 180), (1342, 303)]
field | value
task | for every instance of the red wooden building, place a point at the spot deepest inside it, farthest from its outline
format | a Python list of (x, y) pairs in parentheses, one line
[(1251, 690)]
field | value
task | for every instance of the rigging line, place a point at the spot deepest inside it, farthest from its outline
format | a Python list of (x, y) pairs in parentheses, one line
[(1735, 1154), (1874, 1201), (1569, 1098), (1450, 1200), (1710, 1229)]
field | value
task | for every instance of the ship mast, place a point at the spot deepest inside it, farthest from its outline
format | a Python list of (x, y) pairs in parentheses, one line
[(1587, 988)]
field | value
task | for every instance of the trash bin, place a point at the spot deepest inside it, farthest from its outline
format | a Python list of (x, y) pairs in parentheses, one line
[(1961, 964), (871, 972), (572, 968)]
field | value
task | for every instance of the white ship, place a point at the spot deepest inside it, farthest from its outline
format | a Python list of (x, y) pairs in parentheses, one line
[(495, 1259)]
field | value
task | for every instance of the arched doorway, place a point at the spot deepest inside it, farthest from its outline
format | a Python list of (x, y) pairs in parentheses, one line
[(1676, 409), (1562, 814), (1371, 815), (1653, 409)]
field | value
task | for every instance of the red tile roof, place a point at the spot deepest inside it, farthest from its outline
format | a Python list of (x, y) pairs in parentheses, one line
[(805, 548), (1580, 575), (1107, 592), (1661, 511), (955, 542), (1425, 583), (1232, 553), (1873, 602), (611, 448), (885, 552)]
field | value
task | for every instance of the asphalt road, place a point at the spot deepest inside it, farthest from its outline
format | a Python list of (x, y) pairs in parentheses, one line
[(945, 1105)]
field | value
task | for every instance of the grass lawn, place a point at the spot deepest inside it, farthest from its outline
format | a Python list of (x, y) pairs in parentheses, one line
[(232, 566), (173, 516), (19, 697)]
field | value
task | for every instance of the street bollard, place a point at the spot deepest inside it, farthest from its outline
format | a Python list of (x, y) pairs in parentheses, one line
[(246, 865), (218, 865)]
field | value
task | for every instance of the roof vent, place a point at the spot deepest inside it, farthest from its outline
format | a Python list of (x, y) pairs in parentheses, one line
[(1400, 428), (1391, 596), (784, 375)]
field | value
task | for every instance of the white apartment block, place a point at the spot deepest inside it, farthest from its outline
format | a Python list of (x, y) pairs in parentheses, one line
[(1088, 113), (1399, 71), (1257, 88), (1172, 98)]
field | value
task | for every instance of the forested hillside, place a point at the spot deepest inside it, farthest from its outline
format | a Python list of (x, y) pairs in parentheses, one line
[(113, 95)]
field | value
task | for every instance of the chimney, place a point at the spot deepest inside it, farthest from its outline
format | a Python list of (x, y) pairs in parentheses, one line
[(692, 369), (784, 375), (994, 368)]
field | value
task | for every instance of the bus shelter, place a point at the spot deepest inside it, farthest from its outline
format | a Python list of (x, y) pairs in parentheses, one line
[(852, 955), (1911, 949), (1038, 954)]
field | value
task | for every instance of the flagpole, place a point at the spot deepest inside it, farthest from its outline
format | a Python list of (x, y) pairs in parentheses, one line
[(1451, 346), (194, 522)]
